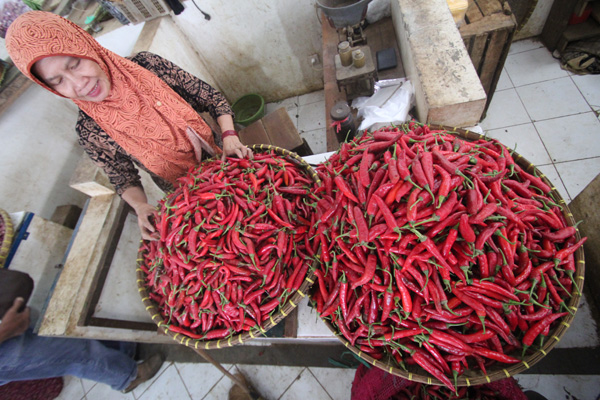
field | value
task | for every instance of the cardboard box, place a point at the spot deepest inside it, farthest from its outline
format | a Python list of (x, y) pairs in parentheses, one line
[(277, 129)]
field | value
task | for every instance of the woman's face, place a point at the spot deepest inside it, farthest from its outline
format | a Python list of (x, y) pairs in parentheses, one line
[(73, 77)]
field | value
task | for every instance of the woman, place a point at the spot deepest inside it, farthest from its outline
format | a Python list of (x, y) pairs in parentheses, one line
[(141, 111)]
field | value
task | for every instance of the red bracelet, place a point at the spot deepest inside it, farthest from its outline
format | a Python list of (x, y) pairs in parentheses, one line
[(229, 132)]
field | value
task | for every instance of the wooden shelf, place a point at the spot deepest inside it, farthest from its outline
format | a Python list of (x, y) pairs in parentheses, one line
[(557, 33), (573, 33)]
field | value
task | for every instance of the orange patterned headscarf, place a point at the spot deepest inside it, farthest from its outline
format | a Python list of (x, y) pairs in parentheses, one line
[(141, 113)]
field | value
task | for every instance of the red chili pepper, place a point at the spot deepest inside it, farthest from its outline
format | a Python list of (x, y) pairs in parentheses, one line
[(185, 332), (412, 209), (387, 214), (444, 187), (401, 163), (216, 334), (388, 304), (343, 293), (487, 210), (466, 231), (419, 357), (567, 251), (418, 173), (487, 353), (427, 165), (536, 329), (404, 294), (365, 164), (478, 307), (446, 209), (341, 184), (361, 225), (370, 268)]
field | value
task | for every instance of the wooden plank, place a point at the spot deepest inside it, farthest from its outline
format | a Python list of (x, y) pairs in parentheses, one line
[(13, 90), (374, 38), (498, 71), (290, 328), (557, 22), (473, 13), (583, 210), (58, 320), (488, 24), (387, 35), (104, 264), (477, 50), (122, 324), (487, 38), (489, 7), (254, 133), (330, 87), (281, 130), (584, 30), (493, 55)]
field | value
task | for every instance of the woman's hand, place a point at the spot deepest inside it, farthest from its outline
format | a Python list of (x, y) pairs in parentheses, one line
[(14, 323), (136, 198), (144, 212), (232, 147)]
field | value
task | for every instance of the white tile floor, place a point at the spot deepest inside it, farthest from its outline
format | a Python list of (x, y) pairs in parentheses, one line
[(548, 115)]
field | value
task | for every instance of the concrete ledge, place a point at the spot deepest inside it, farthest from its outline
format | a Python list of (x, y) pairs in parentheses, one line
[(447, 88)]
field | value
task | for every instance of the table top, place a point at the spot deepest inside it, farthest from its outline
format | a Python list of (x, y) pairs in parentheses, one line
[(105, 302)]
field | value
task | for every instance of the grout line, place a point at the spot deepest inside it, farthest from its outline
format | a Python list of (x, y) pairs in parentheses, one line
[(564, 116), (319, 382), (219, 380), (182, 381), (154, 379), (542, 81), (308, 94), (292, 383), (583, 95), (83, 387), (576, 160), (568, 197)]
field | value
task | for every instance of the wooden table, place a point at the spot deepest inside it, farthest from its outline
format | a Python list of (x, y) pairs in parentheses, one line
[(96, 295), (380, 35)]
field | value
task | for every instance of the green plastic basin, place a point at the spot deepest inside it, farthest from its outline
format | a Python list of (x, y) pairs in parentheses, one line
[(249, 108)]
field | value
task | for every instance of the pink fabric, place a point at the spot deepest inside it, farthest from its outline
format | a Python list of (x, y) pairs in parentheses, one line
[(38, 389), (376, 384)]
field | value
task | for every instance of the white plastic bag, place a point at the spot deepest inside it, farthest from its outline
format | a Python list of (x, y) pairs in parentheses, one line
[(377, 10), (390, 104)]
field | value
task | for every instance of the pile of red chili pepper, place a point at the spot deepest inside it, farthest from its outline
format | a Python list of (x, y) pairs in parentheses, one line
[(232, 245), (439, 252)]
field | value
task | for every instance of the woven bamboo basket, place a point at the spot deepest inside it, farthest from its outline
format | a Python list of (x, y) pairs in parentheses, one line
[(7, 239), (284, 311), (497, 371)]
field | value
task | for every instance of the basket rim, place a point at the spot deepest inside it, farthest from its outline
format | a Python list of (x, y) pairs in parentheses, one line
[(287, 307), (497, 371), (8, 236)]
